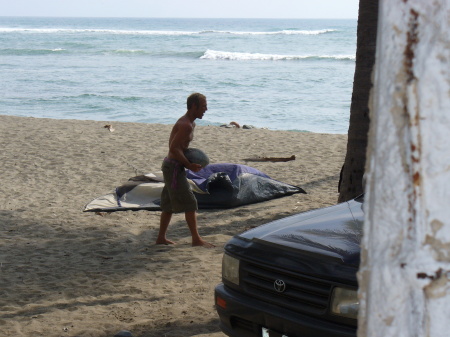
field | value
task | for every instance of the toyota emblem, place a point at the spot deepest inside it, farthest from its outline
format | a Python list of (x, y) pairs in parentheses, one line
[(279, 286)]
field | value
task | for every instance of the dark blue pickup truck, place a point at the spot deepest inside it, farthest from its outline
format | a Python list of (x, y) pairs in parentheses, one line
[(294, 277)]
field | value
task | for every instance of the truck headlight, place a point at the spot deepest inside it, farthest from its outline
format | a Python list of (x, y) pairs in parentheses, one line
[(230, 269), (344, 302)]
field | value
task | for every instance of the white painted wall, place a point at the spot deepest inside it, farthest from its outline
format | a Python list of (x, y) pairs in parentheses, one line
[(404, 276)]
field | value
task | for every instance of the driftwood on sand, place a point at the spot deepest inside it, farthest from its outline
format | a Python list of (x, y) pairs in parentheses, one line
[(272, 159)]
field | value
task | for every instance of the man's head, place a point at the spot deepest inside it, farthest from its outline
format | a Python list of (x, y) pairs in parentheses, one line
[(197, 104), (195, 98)]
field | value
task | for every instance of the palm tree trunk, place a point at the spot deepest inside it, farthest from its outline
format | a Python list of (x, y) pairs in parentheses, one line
[(351, 182)]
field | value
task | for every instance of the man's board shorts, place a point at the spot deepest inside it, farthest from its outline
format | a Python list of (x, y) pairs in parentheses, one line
[(176, 195)]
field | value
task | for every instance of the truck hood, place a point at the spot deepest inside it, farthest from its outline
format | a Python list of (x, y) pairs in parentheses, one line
[(333, 232)]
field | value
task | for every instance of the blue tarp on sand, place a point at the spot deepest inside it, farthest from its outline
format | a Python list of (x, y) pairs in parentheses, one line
[(215, 186)]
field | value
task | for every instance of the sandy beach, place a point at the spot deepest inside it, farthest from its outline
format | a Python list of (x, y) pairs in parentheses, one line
[(65, 272)]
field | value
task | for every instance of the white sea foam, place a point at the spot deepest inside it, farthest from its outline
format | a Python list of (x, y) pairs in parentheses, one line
[(158, 32), (29, 51), (308, 32), (89, 30), (236, 56), (281, 32)]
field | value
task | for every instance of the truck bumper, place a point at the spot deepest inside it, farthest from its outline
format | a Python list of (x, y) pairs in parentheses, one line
[(244, 316)]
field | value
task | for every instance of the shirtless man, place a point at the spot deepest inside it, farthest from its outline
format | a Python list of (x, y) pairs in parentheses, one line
[(177, 195)]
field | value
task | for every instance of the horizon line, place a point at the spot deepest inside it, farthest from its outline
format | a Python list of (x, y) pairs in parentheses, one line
[(171, 17)]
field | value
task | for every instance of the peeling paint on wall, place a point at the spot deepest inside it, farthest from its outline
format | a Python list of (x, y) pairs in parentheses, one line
[(404, 275)]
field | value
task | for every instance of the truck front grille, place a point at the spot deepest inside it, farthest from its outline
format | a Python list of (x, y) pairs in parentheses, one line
[(301, 294)]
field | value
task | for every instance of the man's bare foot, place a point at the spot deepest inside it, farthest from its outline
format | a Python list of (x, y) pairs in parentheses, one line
[(202, 243), (164, 242)]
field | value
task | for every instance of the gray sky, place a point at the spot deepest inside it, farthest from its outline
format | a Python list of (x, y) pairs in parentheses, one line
[(340, 9)]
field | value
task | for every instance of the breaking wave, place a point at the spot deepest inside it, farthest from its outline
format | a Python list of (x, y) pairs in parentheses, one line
[(158, 32), (235, 56)]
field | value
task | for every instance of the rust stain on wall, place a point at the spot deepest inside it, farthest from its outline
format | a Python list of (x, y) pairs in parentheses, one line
[(411, 42), (413, 116), (416, 178)]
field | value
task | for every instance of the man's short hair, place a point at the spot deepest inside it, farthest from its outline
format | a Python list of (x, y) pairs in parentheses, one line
[(195, 99)]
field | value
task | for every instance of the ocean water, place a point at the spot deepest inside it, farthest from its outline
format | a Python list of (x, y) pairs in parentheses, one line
[(272, 73)]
